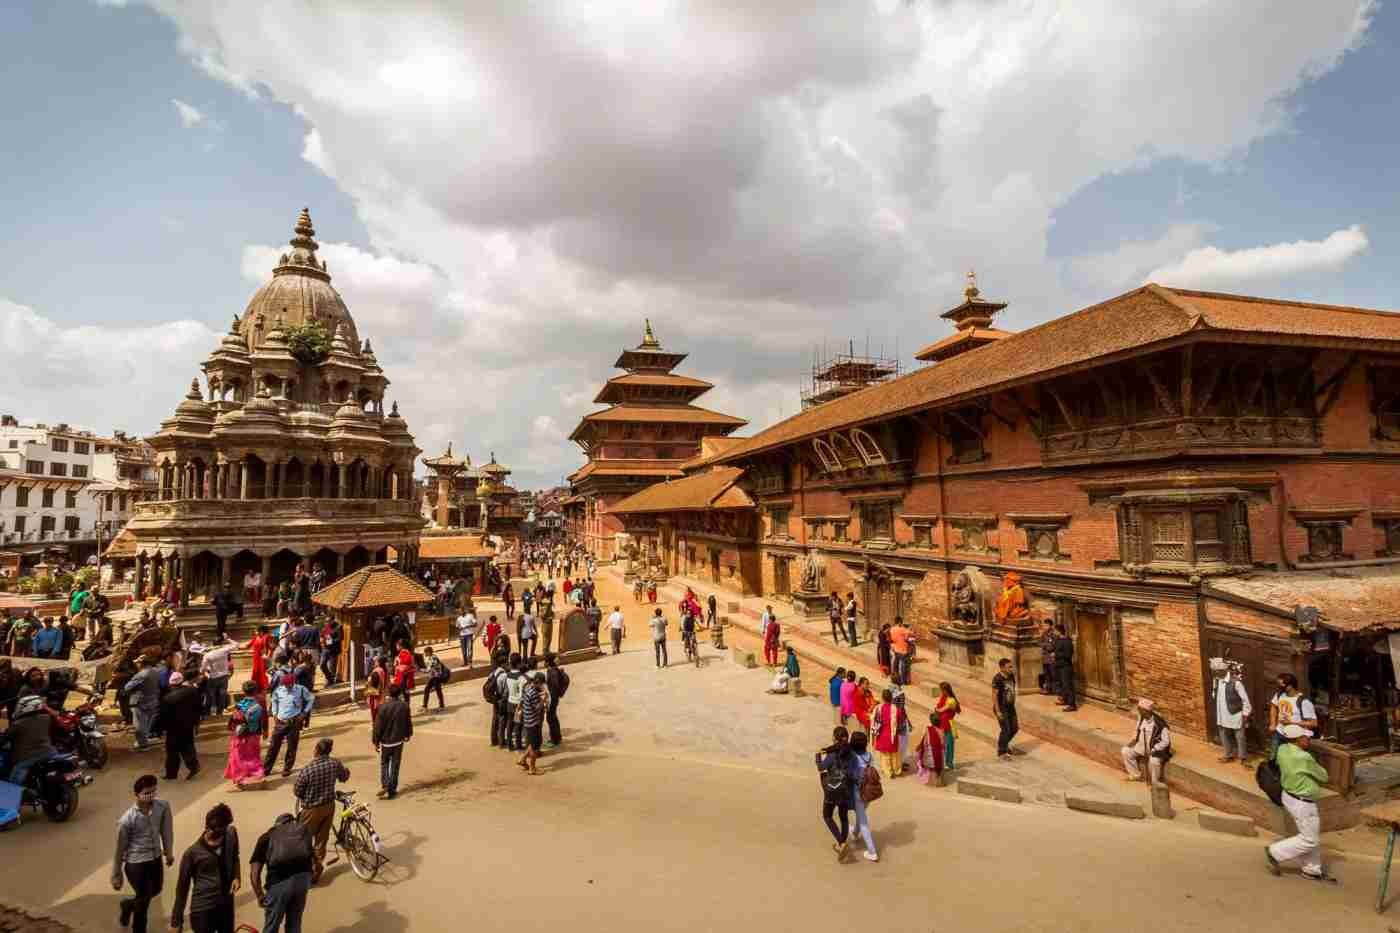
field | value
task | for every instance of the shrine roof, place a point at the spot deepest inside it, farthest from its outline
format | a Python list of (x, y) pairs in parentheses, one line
[(376, 587), (1121, 326), (954, 341), (453, 547), (1351, 600), (627, 467), (611, 389), (657, 414), (122, 546), (691, 493), (710, 448)]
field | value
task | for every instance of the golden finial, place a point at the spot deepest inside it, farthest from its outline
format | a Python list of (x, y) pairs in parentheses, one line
[(648, 338), (971, 291)]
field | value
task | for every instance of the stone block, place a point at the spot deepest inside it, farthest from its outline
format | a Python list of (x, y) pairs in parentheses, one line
[(743, 657), (990, 791), (1126, 811), (1226, 823), (1162, 802)]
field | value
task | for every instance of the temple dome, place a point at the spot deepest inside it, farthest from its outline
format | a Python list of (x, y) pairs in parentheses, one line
[(299, 292)]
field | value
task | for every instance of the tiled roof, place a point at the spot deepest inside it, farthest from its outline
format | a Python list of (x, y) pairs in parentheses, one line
[(122, 546), (659, 379), (376, 587), (974, 335), (692, 493), (1133, 321), (1351, 600), (453, 547), (690, 414), (627, 468), (710, 448)]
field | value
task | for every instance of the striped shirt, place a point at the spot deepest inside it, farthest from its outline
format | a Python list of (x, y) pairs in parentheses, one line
[(532, 705)]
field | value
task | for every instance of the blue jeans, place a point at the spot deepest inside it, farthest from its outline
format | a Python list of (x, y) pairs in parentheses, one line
[(286, 900), (21, 769), (390, 757), (467, 644)]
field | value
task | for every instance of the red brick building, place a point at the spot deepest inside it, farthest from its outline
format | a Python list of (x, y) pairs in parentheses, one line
[(648, 431), (1176, 475)]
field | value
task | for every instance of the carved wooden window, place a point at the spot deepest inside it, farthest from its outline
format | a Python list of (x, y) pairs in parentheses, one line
[(1325, 541), (838, 531), (869, 450), (1385, 402), (846, 451), (1042, 532), (1389, 528), (877, 521), (965, 436), (923, 534), (1184, 531), (830, 462), (778, 521), (972, 534)]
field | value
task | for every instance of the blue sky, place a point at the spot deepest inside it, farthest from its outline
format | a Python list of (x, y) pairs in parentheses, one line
[(507, 192)]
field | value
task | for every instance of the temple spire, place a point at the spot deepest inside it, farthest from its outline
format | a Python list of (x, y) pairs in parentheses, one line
[(304, 232), (649, 340)]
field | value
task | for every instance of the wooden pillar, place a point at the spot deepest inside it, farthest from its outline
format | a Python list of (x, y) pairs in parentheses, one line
[(339, 565), (139, 587), (267, 572), (394, 485), (226, 570)]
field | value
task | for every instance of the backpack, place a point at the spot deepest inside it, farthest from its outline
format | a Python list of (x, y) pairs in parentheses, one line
[(489, 689), (562, 687), (871, 789), (836, 780), (288, 845), (1270, 780)]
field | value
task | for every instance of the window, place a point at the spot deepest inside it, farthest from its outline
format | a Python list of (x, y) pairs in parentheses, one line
[(869, 450), (778, 522), (19, 523), (80, 447), (1184, 532), (58, 445), (70, 500), (121, 502), (923, 535), (70, 523), (965, 436), (80, 470), (876, 521), (21, 496), (839, 531), (34, 466), (107, 501), (830, 462), (47, 499), (58, 469), (14, 445), (48, 523)]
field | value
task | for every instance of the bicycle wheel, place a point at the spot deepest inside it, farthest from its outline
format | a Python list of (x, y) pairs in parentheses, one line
[(359, 849)]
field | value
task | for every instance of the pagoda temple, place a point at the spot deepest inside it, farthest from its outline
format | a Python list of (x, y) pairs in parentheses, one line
[(456, 495), (649, 429), (290, 458)]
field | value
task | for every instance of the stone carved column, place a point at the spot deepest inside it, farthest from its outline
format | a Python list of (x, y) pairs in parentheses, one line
[(243, 478), (139, 585), (226, 570), (340, 565), (267, 572), (344, 473)]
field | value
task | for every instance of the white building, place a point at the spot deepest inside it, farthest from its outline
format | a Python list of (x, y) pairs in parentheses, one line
[(58, 484)]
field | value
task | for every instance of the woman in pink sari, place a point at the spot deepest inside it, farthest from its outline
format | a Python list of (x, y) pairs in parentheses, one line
[(929, 753), (246, 726)]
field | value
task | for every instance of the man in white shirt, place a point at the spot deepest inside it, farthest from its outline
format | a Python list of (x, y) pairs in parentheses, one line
[(466, 631), (658, 638), (250, 589), (1152, 741), (1289, 708), (217, 666), (1232, 710), (617, 629)]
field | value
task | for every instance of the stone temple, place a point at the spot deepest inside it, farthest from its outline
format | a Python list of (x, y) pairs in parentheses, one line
[(287, 455)]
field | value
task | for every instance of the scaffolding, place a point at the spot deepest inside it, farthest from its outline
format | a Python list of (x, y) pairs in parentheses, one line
[(833, 377)]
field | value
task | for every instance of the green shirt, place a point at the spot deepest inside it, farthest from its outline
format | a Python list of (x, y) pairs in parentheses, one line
[(1302, 775)]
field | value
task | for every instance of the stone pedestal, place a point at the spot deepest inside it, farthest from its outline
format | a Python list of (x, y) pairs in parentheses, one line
[(1020, 642), (960, 646), (810, 605)]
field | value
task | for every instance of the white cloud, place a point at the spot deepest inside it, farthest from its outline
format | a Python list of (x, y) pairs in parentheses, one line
[(1212, 267), (100, 377), (754, 177), (190, 115)]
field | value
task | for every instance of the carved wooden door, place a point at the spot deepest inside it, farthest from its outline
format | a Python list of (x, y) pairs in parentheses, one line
[(782, 581), (1093, 653), (889, 601), (714, 565)]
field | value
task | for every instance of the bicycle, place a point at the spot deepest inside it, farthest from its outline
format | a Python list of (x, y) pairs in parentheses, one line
[(355, 836), (692, 647)]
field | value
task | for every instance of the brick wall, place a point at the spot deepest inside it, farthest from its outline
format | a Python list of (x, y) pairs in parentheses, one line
[(1162, 659)]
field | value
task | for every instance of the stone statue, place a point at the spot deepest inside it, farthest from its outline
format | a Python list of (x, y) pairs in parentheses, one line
[(967, 602), (1012, 608), (811, 574)]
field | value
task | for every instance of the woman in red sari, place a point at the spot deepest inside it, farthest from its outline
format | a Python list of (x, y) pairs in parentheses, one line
[(888, 720), (403, 667), (864, 704), (376, 685), (261, 648)]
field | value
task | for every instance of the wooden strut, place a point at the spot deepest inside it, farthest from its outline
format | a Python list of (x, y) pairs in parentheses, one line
[(971, 426), (929, 421), (1334, 383), (987, 408), (1070, 419), (1033, 417), (1164, 397), (1202, 402)]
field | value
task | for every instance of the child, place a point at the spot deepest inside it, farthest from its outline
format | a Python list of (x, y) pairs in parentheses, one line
[(437, 676), (929, 752), (833, 687)]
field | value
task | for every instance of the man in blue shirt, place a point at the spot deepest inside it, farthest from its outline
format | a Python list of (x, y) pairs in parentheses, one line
[(48, 641), (290, 705)]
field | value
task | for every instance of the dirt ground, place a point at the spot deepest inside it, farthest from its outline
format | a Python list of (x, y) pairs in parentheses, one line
[(684, 799)]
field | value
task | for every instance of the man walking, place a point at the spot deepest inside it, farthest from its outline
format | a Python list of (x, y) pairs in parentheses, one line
[(224, 606), (899, 648), (1232, 712), (437, 676), (145, 836), (1290, 707), (466, 634), (834, 612), (210, 875), (515, 688), (658, 638), (332, 642), (1302, 779), (851, 611), (1064, 669), (290, 706), (217, 668), (834, 765), (711, 610), (546, 630), (557, 680), (393, 727), (1152, 741), (315, 793), (179, 713), (286, 850), (616, 629), (144, 690), (496, 695), (1004, 691)]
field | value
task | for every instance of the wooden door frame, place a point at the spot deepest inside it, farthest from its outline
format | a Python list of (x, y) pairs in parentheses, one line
[(1065, 614)]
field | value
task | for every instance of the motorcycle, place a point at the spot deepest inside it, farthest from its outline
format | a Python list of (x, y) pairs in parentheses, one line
[(76, 732), (51, 785)]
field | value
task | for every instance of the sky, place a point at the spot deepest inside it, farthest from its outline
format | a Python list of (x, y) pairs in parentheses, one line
[(505, 191)]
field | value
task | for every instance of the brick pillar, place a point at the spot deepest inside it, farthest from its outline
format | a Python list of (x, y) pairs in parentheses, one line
[(226, 570)]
